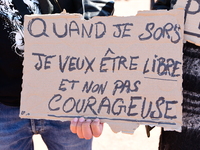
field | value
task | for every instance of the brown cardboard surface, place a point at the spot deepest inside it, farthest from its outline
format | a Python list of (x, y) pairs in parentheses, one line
[(124, 70), (192, 15)]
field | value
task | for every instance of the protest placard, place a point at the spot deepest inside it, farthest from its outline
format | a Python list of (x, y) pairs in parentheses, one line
[(126, 71), (192, 23)]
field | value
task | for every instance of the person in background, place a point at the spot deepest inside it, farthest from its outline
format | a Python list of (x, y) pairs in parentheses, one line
[(189, 137), (16, 133)]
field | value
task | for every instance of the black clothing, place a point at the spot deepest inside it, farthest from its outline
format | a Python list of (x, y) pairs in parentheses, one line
[(10, 69), (164, 4), (11, 35), (189, 137)]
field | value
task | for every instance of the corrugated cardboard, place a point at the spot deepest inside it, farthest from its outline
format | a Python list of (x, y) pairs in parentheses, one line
[(126, 71)]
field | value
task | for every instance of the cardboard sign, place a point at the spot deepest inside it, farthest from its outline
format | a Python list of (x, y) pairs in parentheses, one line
[(126, 71), (192, 24)]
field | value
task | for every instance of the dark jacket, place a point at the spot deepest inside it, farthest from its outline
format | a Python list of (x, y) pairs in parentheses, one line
[(164, 4), (11, 35), (89, 9)]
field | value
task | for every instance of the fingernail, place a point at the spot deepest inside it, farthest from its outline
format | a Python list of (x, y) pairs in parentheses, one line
[(75, 119), (81, 119), (96, 120), (88, 120)]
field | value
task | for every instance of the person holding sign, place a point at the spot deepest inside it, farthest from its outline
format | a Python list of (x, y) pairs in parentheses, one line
[(16, 133), (188, 138)]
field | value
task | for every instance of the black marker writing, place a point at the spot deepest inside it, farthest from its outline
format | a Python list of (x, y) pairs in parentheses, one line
[(63, 82), (117, 63), (116, 107), (46, 61), (162, 66), (122, 30), (156, 33), (69, 29), (44, 28), (126, 86), (94, 87)]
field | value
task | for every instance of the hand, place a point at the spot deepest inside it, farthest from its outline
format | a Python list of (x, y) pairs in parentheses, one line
[(86, 129)]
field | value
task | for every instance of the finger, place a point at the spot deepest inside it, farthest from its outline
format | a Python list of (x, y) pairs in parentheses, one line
[(86, 129), (97, 127), (79, 127), (73, 125)]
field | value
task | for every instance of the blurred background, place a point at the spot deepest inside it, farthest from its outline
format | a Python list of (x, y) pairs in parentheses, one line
[(130, 7), (119, 141)]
